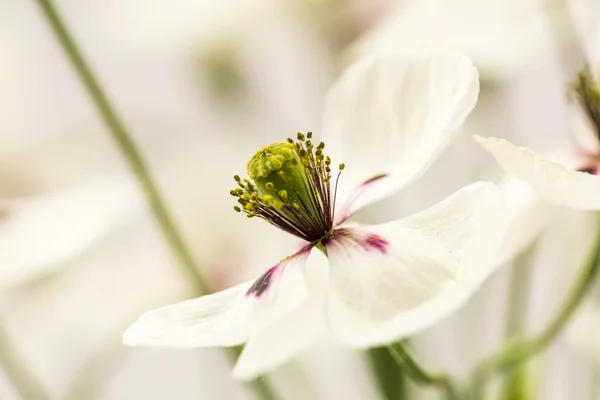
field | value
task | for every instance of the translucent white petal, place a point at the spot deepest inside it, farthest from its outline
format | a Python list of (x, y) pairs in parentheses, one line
[(291, 335), (393, 280), (526, 218), (503, 37), (229, 317), (391, 115), (552, 181), (39, 233)]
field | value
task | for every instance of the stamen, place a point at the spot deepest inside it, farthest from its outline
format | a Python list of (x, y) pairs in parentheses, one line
[(588, 95), (289, 187)]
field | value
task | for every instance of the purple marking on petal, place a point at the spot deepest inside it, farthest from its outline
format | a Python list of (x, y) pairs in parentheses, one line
[(375, 242), (262, 283), (373, 179), (349, 208), (589, 169), (352, 237)]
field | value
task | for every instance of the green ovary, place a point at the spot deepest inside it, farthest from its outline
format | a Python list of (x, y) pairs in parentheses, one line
[(280, 177)]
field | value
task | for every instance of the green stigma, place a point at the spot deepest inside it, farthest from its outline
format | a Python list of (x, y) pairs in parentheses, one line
[(270, 159), (289, 186), (280, 176)]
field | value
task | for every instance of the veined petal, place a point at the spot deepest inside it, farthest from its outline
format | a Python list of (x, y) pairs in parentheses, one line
[(292, 334), (552, 181), (391, 115), (39, 233), (527, 214), (393, 280), (229, 317)]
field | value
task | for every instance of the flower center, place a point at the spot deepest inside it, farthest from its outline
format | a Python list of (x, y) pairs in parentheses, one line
[(289, 187)]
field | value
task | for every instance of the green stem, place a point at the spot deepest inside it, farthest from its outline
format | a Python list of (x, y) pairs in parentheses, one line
[(516, 383), (120, 134), (22, 378), (419, 374), (389, 375), (519, 350), (123, 139)]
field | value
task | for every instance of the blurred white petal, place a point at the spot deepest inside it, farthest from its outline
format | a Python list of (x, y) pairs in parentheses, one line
[(554, 182), (391, 115), (527, 216), (399, 278), (155, 25), (229, 317), (503, 37), (38, 234)]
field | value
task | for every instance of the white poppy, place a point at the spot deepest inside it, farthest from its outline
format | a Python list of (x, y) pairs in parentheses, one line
[(388, 118)]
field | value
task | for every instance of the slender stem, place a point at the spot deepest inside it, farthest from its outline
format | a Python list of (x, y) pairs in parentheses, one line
[(120, 134), (123, 139), (515, 385), (519, 285), (259, 385), (22, 378), (419, 374), (93, 377), (388, 374), (519, 350)]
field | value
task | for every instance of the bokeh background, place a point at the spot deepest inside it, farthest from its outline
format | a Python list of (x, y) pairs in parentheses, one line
[(202, 84)]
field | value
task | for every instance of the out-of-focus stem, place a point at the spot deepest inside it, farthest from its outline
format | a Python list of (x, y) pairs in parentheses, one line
[(516, 381), (420, 375), (388, 374), (128, 148), (22, 378), (520, 350)]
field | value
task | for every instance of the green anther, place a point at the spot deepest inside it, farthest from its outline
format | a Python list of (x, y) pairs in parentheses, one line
[(282, 177), (269, 159)]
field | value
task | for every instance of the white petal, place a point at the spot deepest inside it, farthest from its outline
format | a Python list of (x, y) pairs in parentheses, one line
[(527, 216), (229, 317), (552, 181), (394, 280), (290, 336), (503, 37), (37, 234), (393, 115)]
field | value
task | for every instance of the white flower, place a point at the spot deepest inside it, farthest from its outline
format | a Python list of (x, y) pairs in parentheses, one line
[(503, 37), (41, 233), (51, 212), (568, 177), (574, 187), (388, 118)]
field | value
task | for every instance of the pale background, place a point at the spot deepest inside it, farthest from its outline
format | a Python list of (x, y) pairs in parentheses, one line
[(154, 58)]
